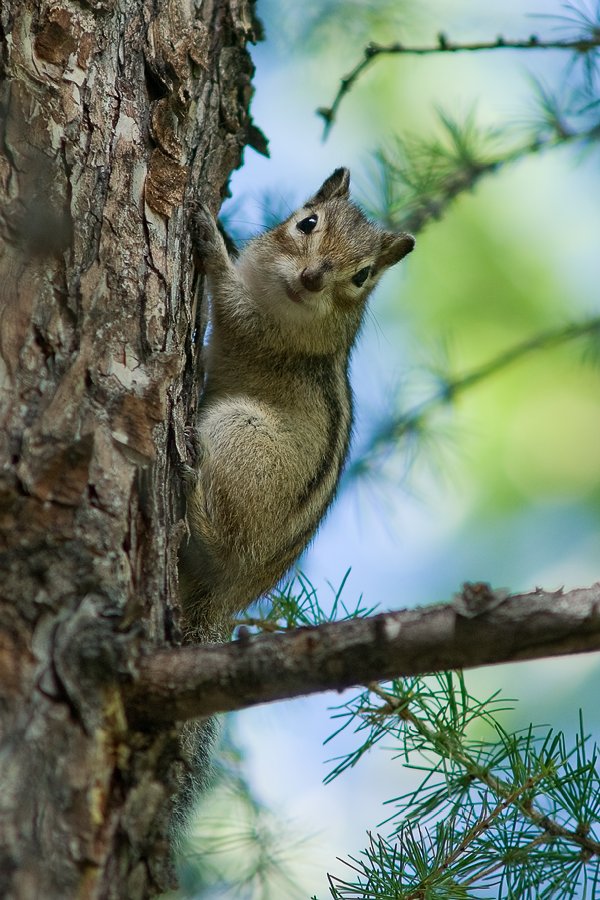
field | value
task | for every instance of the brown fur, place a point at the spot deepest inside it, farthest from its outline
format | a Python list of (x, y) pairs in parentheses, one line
[(275, 419)]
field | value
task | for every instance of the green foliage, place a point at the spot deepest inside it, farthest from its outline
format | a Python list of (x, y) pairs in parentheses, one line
[(497, 813), (236, 846), (414, 424), (419, 177), (581, 22), (296, 605), (316, 24), (580, 38), (415, 179)]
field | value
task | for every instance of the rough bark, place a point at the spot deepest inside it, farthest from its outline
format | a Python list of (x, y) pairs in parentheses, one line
[(113, 114), (480, 627)]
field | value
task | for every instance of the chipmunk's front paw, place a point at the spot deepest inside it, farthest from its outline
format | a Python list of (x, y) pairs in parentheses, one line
[(189, 467), (189, 478), (193, 445), (207, 239)]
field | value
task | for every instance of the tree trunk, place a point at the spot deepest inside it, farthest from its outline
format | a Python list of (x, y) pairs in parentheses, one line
[(113, 113)]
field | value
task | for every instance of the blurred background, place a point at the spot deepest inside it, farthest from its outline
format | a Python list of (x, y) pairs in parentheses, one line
[(503, 485)]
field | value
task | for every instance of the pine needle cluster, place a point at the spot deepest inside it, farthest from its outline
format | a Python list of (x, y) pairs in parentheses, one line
[(511, 814)]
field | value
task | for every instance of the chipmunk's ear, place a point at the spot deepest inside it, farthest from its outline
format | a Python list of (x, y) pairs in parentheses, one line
[(337, 186), (394, 247)]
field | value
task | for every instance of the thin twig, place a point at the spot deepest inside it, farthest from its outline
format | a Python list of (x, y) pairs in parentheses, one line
[(467, 178), (392, 431), (374, 50), (524, 851), (501, 789), (480, 826)]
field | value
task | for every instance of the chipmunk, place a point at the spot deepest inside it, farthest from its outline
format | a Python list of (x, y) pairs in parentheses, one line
[(276, 414)]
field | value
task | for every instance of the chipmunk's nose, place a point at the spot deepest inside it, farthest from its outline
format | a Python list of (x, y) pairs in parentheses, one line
[(313, 279)]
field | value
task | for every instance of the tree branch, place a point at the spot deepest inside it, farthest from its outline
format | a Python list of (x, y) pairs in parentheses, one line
[(479, 627), (373, 50)]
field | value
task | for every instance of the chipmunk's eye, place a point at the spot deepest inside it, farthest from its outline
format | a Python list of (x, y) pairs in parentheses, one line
[(361, 276), (307, 225)]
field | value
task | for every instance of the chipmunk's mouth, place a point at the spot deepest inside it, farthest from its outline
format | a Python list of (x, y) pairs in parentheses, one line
[(292, 294)]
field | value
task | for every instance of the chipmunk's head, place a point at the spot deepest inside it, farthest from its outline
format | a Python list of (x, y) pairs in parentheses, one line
[(313, 273)]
